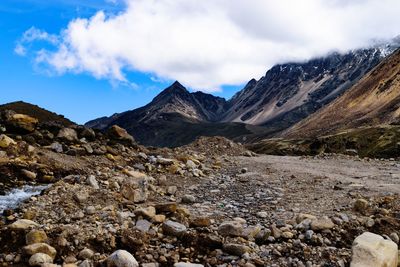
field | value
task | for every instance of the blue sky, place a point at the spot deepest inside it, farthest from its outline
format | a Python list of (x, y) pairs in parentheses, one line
[(81, 96), (90, 58)]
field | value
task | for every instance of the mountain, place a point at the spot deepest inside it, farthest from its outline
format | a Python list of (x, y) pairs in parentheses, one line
[(372, 101), (290, 92), (287, 94), (35, 111), (175, 117)]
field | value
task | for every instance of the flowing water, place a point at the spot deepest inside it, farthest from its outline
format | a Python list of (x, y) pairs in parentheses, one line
[(13, 198)]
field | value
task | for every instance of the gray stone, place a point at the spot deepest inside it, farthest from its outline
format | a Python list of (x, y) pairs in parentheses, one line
[(91, 180), (230, 228), (173, 228)]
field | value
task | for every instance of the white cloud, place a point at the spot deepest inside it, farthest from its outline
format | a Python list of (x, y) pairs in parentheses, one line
[(209, 43), (20, 50)]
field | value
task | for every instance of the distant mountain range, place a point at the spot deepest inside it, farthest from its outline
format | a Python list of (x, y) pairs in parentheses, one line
[(374, 100), (287, 94), (294, 100)]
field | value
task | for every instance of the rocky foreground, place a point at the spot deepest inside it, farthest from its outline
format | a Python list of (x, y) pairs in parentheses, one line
[(111, 202)]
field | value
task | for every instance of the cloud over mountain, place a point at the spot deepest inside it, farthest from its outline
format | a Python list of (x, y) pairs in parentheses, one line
[(210, 43)]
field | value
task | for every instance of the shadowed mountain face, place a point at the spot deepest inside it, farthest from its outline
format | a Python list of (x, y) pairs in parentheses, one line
[(287, 94), (374, 100), (174, 117)]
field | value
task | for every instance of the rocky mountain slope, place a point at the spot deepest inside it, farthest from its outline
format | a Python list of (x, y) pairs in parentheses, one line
[(287, 94), (43, 115), (374, 100), (290, 92)]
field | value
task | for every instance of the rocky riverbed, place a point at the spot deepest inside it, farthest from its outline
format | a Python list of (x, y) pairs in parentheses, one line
[(111, 202)]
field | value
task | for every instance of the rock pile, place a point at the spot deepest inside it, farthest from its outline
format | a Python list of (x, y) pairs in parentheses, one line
[(115, 203)]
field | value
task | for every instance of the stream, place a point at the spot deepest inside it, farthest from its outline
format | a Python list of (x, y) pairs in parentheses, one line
[(13, 198)]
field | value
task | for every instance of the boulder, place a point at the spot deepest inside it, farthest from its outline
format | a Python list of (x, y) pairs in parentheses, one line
[(121, 258), (372, 250), (135, 188), (23, 224), (40, 248), (20, 123), (68, 134), (39, 259), (36, 236), (120, 134), (6, 141)]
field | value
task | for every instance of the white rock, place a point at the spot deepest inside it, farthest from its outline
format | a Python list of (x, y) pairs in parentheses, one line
[(39, 259), (121, 258), (187, 264), (371, 250)]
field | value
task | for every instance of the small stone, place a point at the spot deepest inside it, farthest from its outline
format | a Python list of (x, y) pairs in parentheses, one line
[(200, 221), (159, 218), (171, 190), (166, 207), (93, 182), (86, 254), (361, 205), (28, 174), (230, 228), (322, 224), (143, 225), (287, 235), (303, 216), (309, 234), (187, 264), (6, 141), (57, 147), (38, 259), (262, 214), (147, 213), (9, 258), (90, 210), (188, 199), (173, 228), (235, 249), (369, 222), (394, 237), (190, 164), (121, 258)]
